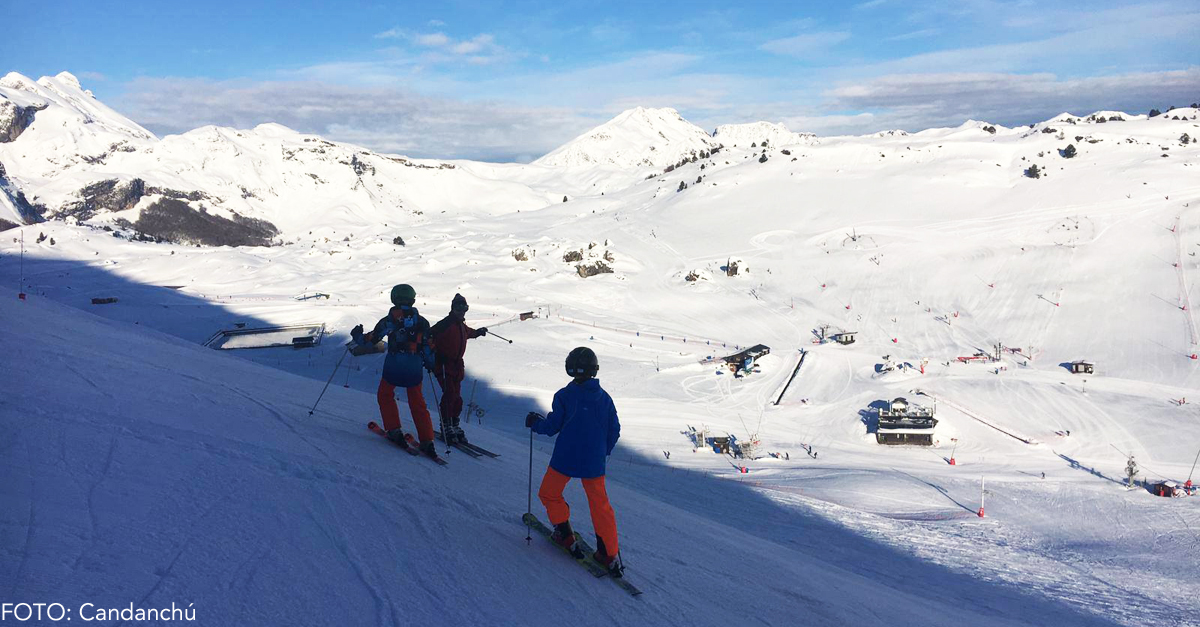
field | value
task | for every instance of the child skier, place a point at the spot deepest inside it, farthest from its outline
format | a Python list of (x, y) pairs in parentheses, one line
[(585, 419), (450, 337), (408, 351)]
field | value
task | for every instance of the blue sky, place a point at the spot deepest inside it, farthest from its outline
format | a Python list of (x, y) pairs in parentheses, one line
[(512, 80)]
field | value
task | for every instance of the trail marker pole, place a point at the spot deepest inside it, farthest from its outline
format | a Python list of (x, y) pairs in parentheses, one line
[(982, 493), (1188, 485)]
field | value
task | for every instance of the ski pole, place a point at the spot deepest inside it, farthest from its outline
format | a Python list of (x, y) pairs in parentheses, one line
[(499, 337), (331, 376), (529, 505), (441, 419), (471, 403)]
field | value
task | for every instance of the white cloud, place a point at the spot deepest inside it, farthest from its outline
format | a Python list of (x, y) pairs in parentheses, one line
[(1118, 36), (834, 124), (478, 44), (386, 120), (431, 40), (805, 44), (480, 49), (917, 34), (870, 5), (918, 101)]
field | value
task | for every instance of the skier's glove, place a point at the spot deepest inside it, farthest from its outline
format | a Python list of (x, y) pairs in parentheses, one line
[(532, 418), (356, 332), (481, 331)]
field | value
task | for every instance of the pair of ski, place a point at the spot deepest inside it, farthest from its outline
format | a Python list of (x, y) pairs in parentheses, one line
[(409, 445), (597, 569), (468, 448)]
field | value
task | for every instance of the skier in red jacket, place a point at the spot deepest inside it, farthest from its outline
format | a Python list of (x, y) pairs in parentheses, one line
[(450, 337)]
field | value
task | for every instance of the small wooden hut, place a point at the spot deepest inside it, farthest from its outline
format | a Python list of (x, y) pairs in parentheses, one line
[(844, 338)]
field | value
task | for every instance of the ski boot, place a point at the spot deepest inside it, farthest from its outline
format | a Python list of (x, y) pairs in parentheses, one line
[(459, 434), (564, 536), (397, 435), (449, 437), (428, 449), (610, 562)]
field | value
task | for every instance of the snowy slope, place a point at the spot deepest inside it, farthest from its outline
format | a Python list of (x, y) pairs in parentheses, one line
[(637, 138), (218, 492)]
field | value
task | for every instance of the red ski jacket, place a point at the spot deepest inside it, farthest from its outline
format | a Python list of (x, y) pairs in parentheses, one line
[(450, 337)]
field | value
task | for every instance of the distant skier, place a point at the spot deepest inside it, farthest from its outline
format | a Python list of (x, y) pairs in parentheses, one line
[(450, 337), (585, 419), (408, 351)]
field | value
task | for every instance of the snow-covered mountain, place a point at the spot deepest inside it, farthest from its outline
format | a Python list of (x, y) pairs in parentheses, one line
[(637, 138), (743, 135), (70, 157)]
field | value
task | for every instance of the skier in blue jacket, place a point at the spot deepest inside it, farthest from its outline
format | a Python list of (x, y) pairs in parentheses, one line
[(585, 419), (409, 350)]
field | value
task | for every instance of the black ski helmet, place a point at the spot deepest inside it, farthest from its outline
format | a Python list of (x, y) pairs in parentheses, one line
[(582, 362), (459, 303)]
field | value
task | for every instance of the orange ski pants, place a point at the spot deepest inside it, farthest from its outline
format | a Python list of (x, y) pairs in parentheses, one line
[(603, 517), (386, 395)]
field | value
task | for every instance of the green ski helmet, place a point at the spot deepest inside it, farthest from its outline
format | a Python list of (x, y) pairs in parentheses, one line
[(403, 294)]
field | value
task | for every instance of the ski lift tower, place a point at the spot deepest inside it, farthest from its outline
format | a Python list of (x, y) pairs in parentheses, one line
[(1131, 470)]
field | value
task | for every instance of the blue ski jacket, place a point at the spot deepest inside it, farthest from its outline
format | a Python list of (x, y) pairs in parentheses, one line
[(585, 419), (409, 346)]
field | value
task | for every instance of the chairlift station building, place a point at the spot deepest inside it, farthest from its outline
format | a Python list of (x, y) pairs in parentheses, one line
[(901, 423)]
